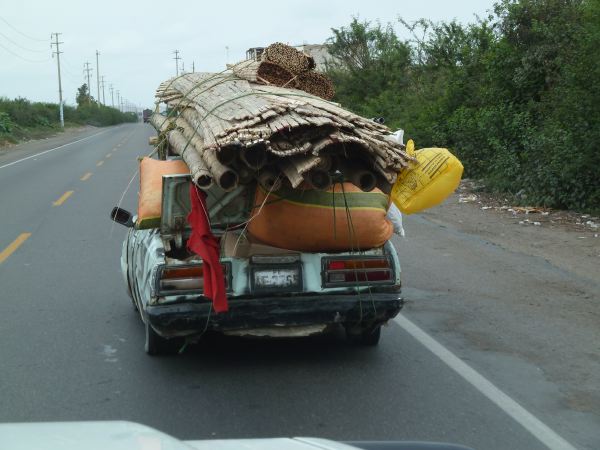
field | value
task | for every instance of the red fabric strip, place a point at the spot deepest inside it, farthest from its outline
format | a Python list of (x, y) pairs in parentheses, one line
[(204, 244)]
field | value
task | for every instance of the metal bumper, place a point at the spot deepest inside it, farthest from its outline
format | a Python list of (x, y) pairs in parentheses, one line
[(189, 317)]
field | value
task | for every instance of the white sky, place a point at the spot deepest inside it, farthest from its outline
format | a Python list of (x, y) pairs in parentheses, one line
[(136, 38)]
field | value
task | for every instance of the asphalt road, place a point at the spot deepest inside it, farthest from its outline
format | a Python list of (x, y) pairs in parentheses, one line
[(72, 346)]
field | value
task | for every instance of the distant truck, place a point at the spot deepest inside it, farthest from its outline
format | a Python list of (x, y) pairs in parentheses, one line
[(146, 115)]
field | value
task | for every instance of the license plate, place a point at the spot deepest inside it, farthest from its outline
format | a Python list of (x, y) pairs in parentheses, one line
[(275, 278)]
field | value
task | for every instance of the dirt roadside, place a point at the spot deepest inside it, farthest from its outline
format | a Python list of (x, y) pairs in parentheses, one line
[(566, 239), (69, 132), (13, 152)]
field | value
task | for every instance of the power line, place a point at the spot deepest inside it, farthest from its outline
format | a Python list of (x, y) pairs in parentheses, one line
[(98, 74), (102, 84), (68, 70), (87, 69), (20, 32), (177, 58), (24, 58), (60, 97), (20, 46)]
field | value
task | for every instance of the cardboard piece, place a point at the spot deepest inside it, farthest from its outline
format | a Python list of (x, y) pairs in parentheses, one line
[(238, 245)]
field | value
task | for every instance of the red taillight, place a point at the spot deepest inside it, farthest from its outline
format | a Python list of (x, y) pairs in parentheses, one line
[(358, 271), (183, 272), (173, 279), (336, 265)]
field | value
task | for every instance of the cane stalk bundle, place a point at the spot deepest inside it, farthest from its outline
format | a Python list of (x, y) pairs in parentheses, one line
[(242, 125)]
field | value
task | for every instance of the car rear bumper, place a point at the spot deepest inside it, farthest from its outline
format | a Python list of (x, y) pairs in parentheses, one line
[(189, 317)]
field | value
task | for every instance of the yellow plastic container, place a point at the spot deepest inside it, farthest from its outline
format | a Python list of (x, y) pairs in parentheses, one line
[(429, 181)]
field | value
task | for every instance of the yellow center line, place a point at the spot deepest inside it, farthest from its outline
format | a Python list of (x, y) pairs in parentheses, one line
[(13, 246), (63, 198), (99, 163), (86, 176), (109, 155)]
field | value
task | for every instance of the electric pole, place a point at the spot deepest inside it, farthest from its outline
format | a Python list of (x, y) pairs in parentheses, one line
[(102, 84), (193, 67), (60, 98), (98, 74), (112, 96), (182, 67), (87, 70), (177, 58), (119, 100)]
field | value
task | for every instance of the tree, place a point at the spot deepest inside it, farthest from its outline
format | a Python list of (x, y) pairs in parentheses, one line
[(83, 96), (368, 61)]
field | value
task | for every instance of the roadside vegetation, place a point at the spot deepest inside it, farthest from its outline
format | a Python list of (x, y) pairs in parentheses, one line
[(515, 95), (21, 119)]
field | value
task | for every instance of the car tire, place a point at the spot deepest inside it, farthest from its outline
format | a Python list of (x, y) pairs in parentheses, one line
[(368, 337), (157, 345)]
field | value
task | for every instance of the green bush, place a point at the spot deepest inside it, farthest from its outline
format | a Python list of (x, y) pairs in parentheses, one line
[(514, 95), (22, 113), (5, 123)]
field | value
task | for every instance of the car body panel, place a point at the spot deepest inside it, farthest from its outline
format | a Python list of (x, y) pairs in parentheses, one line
[(124, 435)]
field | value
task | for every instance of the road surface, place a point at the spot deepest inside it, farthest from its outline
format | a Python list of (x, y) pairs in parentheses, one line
[(72, 347)]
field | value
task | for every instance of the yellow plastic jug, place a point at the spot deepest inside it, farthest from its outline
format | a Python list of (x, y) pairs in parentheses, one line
[(428, 181)]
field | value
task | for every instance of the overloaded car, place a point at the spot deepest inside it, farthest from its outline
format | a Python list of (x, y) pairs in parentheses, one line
[(271, 292)]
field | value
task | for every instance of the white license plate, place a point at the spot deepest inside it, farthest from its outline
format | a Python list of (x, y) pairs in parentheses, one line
[(276, 278)]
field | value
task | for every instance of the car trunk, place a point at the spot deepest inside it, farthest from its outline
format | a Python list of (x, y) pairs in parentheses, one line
[(254, 269)]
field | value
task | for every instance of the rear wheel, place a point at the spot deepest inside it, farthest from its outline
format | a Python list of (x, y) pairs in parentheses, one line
[(364, 336), (158, 345)]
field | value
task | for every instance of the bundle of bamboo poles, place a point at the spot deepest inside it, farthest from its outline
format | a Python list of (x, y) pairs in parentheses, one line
[(284, 66), (286, 56), (263, 72), (231, 131)]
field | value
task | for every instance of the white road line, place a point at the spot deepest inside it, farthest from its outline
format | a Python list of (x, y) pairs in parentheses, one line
[(531, 423), (52, 149)]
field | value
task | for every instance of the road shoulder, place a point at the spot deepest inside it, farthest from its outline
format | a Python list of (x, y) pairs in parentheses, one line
[(518, 301), (14, 153)]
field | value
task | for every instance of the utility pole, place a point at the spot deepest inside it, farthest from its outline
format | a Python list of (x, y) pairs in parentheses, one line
[(227, 54), (182, 67), (60, 99), (87, 70), (112, 96), (177, 58), (98, 74), (119, 100), (193, 67), (102, 83)]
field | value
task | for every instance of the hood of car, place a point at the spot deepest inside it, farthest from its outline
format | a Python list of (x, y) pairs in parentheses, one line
[(121, 435)]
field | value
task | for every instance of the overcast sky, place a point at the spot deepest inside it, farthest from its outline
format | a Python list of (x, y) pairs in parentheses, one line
[(136, 39)]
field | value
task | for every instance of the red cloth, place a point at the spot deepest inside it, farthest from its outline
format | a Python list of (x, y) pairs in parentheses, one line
[(203, 243)]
